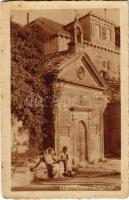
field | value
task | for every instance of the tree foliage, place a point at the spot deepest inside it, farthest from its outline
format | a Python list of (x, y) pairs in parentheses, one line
[(28, 85), (113, 90)]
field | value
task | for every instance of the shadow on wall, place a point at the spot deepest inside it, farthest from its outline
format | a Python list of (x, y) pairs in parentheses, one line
[(112, 130)]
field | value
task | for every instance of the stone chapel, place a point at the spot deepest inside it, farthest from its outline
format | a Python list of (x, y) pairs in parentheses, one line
[(85, 53)]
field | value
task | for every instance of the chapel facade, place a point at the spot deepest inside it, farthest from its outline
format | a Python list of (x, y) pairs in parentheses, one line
[(86, 55)]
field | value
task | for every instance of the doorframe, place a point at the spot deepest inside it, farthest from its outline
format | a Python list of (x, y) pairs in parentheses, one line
[(86, 140), (80, 115)]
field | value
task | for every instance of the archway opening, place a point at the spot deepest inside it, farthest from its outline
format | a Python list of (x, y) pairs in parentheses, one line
[(79, 35), (82, 146)]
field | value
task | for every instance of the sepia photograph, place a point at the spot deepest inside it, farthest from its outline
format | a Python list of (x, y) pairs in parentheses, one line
[(65, 84), (65, 99)]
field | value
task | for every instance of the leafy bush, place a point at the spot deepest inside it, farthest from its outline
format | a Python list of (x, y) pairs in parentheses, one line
[(28, 85)]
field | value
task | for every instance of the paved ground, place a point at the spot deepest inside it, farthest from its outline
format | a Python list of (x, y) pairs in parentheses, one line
[(109, 166), (101, 176)]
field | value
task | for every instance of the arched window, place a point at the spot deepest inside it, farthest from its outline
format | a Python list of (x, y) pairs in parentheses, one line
[(78, 35)]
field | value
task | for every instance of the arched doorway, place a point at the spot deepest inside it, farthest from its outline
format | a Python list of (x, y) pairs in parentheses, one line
[(82, 150)]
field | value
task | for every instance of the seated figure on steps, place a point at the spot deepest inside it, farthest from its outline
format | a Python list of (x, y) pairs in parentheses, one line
[(64, 158)]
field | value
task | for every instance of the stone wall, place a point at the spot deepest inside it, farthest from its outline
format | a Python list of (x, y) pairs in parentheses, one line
[(51, 46), (97, 56), (88, 24), (67, 122), (56, 44), (63, 43)]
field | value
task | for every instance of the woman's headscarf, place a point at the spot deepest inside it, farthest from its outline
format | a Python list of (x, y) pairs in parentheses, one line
[(50, 149)]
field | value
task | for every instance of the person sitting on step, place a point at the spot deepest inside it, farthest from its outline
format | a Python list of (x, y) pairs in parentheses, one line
[(52, 164), (65, 159)]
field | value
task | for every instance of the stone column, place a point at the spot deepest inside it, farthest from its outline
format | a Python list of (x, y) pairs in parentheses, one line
[(101, 135), (88, 136), (57, 135), (73, 137), (75, 35)]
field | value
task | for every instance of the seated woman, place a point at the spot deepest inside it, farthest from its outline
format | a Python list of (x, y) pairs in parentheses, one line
[(65, 159), (38, 167), (53, 166)]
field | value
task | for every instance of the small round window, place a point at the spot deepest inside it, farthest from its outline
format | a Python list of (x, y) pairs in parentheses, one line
[(81, 72)]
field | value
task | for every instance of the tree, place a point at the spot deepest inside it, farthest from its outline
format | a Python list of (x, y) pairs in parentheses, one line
[(28, 85)]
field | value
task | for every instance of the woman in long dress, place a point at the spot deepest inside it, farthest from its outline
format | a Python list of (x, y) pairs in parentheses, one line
[(54, 168)]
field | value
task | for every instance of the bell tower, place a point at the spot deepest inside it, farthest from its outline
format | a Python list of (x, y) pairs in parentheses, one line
[(78, 31), (76, 43)]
